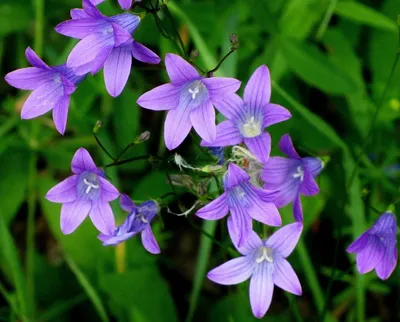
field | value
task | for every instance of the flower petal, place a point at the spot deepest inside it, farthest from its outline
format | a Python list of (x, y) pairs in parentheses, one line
[(60, 114), (203, 121), (179, 70), (34, 59), (221, 87), (371, 255), (314, 165), (149, 241), (285, 239), (231, 106), (115, 240), (257, 92), (232, 272), (164, 97), (90, 8), (286, 146), (78, 14), (234, 176), (177, 127), (359, 244), (227, 134), (260, 146), (64, 192), (242, 225), (297, 209), (108, 191), (29, 78), (253, 241), (73, 213), (102, 217), (287, 193), (285, 277), (127, 21), (274, 113), (308, 187), (125, 4), (121, 36), (144, 54), (388, 262), (261, 289), (277, 170), (214, 210), (126, 203), (81, 28), (82, 161)]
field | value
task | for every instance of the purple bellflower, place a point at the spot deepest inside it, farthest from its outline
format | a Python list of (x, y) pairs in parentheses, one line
[(86, 192), (138, 221), (105, 41), (125, 4), (292, 176), (377, 247), (244, 201), (264, 262), (247, 119), (189, 99), (51, 86)]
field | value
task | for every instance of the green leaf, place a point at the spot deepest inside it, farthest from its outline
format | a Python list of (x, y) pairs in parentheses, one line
[(152, 186), (16, 16), (314, 68), (363, 14)]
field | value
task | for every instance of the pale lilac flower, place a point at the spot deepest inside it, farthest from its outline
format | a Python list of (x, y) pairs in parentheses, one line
[(85, 192), (247, 119), (138, 222), (264, 262), (105, 41), (291, 176), (52, 87), (189, 99), (377, 247), (244, 201)]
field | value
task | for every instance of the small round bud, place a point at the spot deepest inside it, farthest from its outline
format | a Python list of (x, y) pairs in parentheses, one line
[(97, 127), (194, 54), (143, 137), (234, 41)]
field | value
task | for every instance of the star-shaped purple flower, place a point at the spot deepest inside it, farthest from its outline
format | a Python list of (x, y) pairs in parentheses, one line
[(244, 201), (86, 192), (264, 262), (51, 86), (377, 247), (291, 176), (247, 119), (105, 41), (190, 99), (138, 221)]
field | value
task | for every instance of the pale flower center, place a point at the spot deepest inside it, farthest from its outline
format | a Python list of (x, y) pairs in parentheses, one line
[(264, 254), (299, 173), (90, 186), (196, 88), (142, 218), (251, 128)]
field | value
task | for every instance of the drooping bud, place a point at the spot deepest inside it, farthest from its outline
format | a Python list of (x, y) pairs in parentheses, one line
[(234, 41), (97, 127)]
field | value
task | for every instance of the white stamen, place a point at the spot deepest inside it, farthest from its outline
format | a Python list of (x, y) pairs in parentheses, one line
[(252, 128), (194, 92), (144, 220), (90, 186), (266, 254), (299, 173)]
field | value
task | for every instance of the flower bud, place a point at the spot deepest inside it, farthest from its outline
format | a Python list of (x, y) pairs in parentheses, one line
[(234, 41), (97, 127), (143, 137)]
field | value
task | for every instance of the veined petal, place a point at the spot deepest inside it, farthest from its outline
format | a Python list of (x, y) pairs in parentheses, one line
[(234, 176), (177, 127), (121, 36), (29, 78), (286, 146), (127, 21), (34, 59), (297, 209), (91, 9), (179, 70), (285, 239), (232, 272), (359, 244), (308, 187), (64, 192), (73, 213), (126, 203), (260, 146), (108, 191), (370, 256), (221, 87), (78, 14), (115, 240), (117, 69), (227, 134), (287, 192), (144, 54), (274, 113), (388, 262), (242, 225), (82, 161), (125, 4), (261, 289), (214, 210), (60, 114), (203, 121), (257, 92), (102, 217), (164, 97), (285, 277), (314, 165), (253, 241), (42, 100), (81, 28), (277, 171), (231, 107), (149, 241)]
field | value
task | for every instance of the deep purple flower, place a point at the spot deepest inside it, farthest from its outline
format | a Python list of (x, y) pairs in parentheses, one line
[(138, 221), (219, 153), (86, 192), (244, 201), (377, 247), (247, 119), (190, 99), (105, 41), (51, 86), (264, 262), (291, 176)]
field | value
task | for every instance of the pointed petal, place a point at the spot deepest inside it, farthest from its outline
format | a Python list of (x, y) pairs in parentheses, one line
[(297, 209), (370, 256), (253, 241), (79, 14), (221, 87), (177, 127), (287, 193), (359, 244), (386, 225), (274, 113), (114, 240), (34, 59), (260, 146), (314, 165), (242, 225), (29, 78), (179, 70), (125, 4), (257, 92), (72, 214), (231, 107), (232, 272), (277, 171), (102, 217), (144, 54), (64, 192), (285, 277), (60, 114), (285, 239), (149, 241), (308, 187), (127, 21), (126, 203), (81, 28), (214, 210), (42, 100), (203, 121), (261, 289), (121, 36), (227, 134), (91, 9), (164, 97), (234, 176), (286, 146), (108, 191), (388, 262), (82, 161)]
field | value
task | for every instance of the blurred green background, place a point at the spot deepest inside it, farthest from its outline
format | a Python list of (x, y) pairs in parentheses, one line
[(330, 62)]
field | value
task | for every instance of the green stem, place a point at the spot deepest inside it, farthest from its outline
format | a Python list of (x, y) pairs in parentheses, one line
[(327, 17), (39, 26), (103, 148), (142, 157), (209, 73)]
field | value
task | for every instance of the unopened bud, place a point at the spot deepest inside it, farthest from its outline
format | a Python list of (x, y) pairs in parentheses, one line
[(142, 137), (202, 188), (182, 180), (234, 41), (97, 127), (193, 55)]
